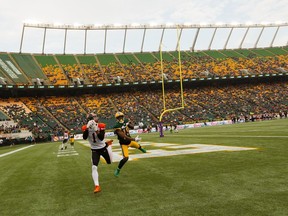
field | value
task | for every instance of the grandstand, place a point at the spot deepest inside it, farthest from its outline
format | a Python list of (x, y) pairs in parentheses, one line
[(48, 93)]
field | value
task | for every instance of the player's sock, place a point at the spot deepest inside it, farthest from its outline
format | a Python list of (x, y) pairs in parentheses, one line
[(142, 150), (95, 175), (117, 172)]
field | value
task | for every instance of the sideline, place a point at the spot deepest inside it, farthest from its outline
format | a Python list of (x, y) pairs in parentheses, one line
[(237, 136), (8, 153)]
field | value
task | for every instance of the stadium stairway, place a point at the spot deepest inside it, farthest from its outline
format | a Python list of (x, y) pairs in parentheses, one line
[(85, 78), (54, 118), (20, 68), (37, 63), (101, 69), (60, 66)]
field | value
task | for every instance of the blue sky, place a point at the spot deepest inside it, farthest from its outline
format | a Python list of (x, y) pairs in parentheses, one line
[(14, 12)]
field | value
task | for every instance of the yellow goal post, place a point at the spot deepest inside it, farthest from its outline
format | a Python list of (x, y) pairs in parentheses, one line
[(165, 110)]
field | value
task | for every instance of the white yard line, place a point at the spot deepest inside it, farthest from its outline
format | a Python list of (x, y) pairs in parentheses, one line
[(67, 152), (8, 153), (237, 136), (67, 155)]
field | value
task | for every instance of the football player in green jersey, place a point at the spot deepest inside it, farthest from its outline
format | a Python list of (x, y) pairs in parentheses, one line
[(121, 129)]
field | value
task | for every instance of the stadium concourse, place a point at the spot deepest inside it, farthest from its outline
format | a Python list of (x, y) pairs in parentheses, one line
[(43, 95)]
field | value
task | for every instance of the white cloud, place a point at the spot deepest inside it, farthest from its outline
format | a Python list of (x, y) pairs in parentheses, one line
[(265, 10)]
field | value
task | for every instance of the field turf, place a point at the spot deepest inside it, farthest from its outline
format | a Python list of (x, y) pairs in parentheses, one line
[(38, 181)]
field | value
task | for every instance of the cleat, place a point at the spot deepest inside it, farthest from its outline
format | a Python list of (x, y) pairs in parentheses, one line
[(143, 150), (97, 189), (117, 172)]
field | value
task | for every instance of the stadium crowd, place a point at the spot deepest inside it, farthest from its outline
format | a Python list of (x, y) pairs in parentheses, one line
[(50, 116), (191, 67)]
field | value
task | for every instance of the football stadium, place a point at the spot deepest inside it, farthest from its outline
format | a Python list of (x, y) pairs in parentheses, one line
[(213, 122)]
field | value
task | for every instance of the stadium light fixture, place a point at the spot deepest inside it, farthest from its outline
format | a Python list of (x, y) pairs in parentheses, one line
[(97, 25), (265, 23), (77, 25), (117, 25), (135, 24), (31, 22), (187, 24), (169, 24), (219, 24), (153, 25), (249, 23), (279, 22), (234, 23), (203, 24), (57, 24)]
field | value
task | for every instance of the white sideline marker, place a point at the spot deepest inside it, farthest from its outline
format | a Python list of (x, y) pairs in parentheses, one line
[(17, 150)]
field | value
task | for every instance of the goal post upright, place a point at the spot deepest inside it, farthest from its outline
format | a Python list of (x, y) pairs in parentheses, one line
[(163, 86)]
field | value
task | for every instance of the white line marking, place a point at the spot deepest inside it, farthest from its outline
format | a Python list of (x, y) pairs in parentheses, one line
[(66, 152), (8, 153), (67, 155), (236, 136)]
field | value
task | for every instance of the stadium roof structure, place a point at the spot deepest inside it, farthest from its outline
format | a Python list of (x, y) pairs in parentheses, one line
[(116, 38)]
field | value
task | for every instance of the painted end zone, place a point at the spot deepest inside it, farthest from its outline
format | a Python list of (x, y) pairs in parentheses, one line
[(168, 149)]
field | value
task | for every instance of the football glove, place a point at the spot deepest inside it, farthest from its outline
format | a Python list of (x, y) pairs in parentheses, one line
[(84, 127), (92, 125), (109, 142), (137, 139), (101, 126)]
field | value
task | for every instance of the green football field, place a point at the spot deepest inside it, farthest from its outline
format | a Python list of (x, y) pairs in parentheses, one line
[(226, 170)]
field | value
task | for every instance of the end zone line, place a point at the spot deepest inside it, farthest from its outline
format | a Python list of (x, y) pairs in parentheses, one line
[(8, 153)]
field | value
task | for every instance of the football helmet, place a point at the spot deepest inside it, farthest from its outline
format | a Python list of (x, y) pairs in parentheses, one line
[(91, 116), (119, 114)]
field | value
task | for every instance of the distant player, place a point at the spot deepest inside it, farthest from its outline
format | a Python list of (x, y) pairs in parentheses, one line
[(65, 140), (121, 129), (175, 127), (95, 133), (71, 138)]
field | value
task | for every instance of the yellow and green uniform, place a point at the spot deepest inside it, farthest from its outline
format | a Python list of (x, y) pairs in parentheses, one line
[(71, 136), (124, 127), (124, 143)]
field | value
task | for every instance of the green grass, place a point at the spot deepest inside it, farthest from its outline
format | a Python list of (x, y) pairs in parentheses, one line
[(35, 181)]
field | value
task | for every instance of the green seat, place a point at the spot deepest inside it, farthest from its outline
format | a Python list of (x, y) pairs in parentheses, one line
[(11, 70), (127, 59), (3, 116), (86, 59), (45, 60), (145, 57), (29, 66), (66, 59), (106, 59)]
